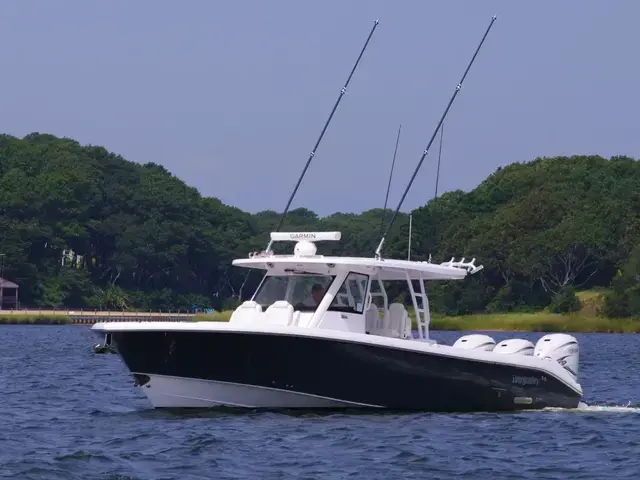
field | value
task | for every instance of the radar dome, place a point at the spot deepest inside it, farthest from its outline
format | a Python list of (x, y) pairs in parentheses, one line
[(304, 248)]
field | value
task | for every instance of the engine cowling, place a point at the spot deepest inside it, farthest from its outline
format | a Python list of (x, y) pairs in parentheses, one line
[(562, 348), (515, 346), (475, 342)]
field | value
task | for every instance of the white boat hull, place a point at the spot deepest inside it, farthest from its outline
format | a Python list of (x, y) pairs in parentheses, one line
[(165, 391)]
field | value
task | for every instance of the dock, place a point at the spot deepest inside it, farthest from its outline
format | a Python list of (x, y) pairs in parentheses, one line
[(90, 317)]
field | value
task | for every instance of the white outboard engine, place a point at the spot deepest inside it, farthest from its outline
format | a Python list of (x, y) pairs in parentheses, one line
[(562, 348), (517, 346), (475, 342)]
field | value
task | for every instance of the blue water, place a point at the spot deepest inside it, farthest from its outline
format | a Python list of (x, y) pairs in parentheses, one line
[(70, 414)]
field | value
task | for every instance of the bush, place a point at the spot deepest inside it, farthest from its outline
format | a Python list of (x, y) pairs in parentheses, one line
[(565, 301), (518, 296), (231, 303), (624, 298), (621, 303)]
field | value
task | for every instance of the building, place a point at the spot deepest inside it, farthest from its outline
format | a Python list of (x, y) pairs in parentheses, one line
[(8, 295)]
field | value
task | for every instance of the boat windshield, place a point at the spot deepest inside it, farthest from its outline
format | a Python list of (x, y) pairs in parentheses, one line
[(304, 292)]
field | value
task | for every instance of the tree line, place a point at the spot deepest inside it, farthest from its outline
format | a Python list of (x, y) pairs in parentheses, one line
[(81, 227)]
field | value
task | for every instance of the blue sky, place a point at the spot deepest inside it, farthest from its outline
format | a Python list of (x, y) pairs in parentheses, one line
[(231, 96)]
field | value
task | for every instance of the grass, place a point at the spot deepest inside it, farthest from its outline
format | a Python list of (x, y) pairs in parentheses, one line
[(26, 319), (223, 316), (591, 301), (537, 322)]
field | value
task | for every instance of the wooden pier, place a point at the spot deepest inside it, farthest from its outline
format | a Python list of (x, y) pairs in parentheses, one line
[(90, 317)]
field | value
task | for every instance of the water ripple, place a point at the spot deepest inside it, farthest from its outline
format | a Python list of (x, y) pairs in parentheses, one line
[(68, 413)]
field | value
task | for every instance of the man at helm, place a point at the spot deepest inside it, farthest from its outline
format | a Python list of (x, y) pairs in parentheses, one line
[(317, 292)]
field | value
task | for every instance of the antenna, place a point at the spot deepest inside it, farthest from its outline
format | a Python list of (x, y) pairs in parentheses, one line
[(386, 198), (313, 152), (439, 156), (409, 247), (426, 150)]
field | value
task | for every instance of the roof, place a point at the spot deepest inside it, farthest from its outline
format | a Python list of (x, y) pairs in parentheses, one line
[(7, 284), (386, 269), (305, 260)]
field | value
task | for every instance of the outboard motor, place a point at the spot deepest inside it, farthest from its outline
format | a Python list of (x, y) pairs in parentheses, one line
[(562, 348), (475, 342), (518, 346)]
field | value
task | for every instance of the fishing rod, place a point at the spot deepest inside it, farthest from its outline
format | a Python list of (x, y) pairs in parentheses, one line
[(386, 198), (439, 157), (313, 152), (378, 252)]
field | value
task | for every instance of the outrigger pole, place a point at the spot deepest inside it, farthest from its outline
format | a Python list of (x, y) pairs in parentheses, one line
[(426, 150), (439, 157), (313, 152), (386, 198)]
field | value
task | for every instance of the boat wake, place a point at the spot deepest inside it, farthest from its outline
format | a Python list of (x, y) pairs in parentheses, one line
[(584, 408)]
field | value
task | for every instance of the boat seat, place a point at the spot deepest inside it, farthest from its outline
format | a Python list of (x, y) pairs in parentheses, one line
[(371, 319), (377, 324), (408, 331), (280, 313), (296, 318), (247, 312), (396, 321)]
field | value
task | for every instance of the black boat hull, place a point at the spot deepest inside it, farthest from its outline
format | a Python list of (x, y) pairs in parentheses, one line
[(261, 370)]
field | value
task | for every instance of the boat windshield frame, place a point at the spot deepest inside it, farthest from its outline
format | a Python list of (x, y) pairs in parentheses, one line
[(300, 293)]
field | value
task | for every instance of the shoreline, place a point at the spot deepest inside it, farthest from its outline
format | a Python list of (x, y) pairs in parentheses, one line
[(71, 317), (496, 323)]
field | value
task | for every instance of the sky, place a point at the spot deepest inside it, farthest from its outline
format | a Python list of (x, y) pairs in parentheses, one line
[(231, 96)]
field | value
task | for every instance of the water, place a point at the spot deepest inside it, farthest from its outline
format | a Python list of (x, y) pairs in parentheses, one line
[(68, 413)]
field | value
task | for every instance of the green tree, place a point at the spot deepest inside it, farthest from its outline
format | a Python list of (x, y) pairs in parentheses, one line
[(142, 239)]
